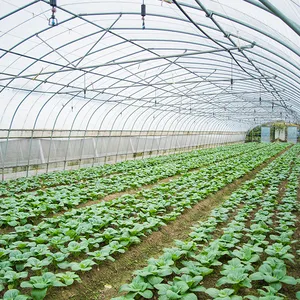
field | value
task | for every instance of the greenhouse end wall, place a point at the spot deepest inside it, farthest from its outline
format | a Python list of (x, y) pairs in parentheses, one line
[(29, 152)]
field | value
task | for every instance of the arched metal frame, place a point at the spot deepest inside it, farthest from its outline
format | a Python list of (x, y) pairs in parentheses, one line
[(195, 64)]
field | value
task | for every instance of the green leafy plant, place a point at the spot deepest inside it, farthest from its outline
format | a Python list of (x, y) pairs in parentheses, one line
[(269, 293), (225, 294), (273, 271), (68, 278), (14, 295), (193, 282), (13, 278), (40, 285), (246, 254), (84, 265), (36, 264), (175, 290), (194, 268), (235, 264), (280, 250), (137, 287), (237, 278)]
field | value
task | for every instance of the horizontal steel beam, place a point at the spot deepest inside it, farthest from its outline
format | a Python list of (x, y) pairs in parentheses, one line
[(86, 68)]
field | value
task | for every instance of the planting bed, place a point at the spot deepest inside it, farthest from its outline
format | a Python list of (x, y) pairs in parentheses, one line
[(28, 206), (11, 187), (244, 250), (226, 255)]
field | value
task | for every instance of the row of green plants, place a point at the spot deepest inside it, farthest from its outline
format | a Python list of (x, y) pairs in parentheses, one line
[(243, 260), (25, 207), (278, 218), (11, 187), (57, 250)]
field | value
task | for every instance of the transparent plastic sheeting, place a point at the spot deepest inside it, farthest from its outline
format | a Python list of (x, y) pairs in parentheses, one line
[(265, 134), (193, 66), (204, 61), (42, 155), (59, 150), (292, 134)]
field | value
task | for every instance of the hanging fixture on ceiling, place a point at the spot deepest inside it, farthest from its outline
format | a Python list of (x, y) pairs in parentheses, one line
[(53, 20), (143, 14), (231, 79)]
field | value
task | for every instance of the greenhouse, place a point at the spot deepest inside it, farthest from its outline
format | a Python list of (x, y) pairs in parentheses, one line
[(149, 149)]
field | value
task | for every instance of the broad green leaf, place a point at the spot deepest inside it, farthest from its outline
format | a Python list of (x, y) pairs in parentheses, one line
[(189, 296), (172, 295), (289, 280), (154, 280), (212, 292), (38, 294), (257, 276), (26, 284), (147, 294)]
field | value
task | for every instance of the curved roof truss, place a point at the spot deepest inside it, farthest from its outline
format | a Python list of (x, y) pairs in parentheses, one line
[(196, 62)]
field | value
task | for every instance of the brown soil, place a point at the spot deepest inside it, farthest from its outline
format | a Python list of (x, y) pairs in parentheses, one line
[(104, 281)]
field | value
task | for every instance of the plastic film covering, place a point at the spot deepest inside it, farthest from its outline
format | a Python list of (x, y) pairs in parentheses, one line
[(100, 86), (265, 134), (292, 134)]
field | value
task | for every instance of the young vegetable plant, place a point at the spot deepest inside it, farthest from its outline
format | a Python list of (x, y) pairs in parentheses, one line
[(193, 282), (68, 278), (284, 238), (273, 271), (14, 294), (137, 287), (40, 285), (225, 294), (280, 251), (13, 278), (237, 278), (247, 254), (176, 290), (235, 264), (269, 294)]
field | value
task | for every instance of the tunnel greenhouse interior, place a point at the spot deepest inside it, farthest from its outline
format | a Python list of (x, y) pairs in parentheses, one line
[(97, 82), (149, 149)]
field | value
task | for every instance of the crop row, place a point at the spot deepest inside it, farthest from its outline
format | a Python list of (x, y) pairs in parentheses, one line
[(22, 208), (230, 265), (8, 188), (83, 237)]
